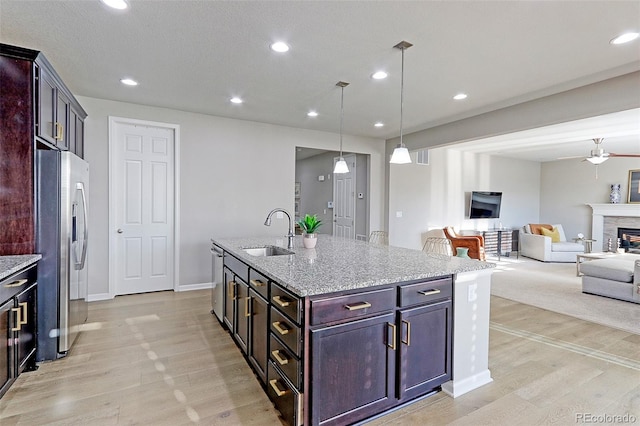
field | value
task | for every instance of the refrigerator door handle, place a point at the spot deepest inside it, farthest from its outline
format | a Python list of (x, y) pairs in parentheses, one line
[(85, 241)]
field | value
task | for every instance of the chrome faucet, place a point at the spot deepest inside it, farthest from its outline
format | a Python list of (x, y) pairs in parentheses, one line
[(290, 235)]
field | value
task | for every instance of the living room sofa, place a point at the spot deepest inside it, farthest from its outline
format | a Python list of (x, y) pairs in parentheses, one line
[(617, 277), (541, 247)]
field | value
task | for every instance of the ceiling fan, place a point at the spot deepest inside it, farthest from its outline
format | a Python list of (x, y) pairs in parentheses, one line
[(599, 156)]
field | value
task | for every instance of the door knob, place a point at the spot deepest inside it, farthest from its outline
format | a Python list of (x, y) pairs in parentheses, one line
[(120, 231)]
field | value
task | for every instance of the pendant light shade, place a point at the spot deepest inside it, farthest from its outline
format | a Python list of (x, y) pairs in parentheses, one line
[(401, 153), (341, 165)]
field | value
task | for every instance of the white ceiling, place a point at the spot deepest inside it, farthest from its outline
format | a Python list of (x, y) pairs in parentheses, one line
[(195, 55)]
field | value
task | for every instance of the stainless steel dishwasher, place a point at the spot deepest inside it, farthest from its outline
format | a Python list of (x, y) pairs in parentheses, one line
[(217, 290)]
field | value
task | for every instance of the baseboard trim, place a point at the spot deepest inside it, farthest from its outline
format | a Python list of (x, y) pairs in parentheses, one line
[(456, 388), (197, 286), (98, 297)]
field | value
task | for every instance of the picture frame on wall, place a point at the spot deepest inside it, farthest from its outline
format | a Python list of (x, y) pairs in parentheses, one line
[(296, 191), (634, 186)]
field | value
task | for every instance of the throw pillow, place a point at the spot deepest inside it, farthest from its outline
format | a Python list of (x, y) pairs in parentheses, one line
[(554, 234), (536, 228)]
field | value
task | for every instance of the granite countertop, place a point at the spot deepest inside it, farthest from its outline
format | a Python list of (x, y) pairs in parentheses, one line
[(338, 264), (11, 264)]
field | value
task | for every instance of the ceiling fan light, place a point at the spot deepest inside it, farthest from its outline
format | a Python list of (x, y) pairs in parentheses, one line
[(597, 160), (341, 166), (400, 155)]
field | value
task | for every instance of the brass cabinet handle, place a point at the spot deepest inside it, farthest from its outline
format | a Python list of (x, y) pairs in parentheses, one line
[(279, 328), (18, 326), (408, 341), (59, 132), (25, 313), (281, 361), (280, 302), (231, 289), (247, 303), (274, 385), (430, 292), (16, 283), (258, 283), (362, 305), (393, 338)]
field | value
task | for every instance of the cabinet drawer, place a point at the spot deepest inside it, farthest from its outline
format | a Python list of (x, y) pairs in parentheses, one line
[(17, 283), (425, 292), (238, 267), (286, 302), (286, 331), (352, 305), (259, 283), (286, 361), (284, 396)]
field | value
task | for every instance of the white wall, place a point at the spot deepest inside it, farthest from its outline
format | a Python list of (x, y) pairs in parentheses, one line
[(232, 173), (437, 195), (567, 185)]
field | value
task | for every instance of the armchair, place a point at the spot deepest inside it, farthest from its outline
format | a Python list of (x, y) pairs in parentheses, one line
[(475, 243)]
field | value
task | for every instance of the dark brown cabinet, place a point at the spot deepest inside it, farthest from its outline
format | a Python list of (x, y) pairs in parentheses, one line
[(18, 337), (36, 111), (242, 314), (424, 348), (353, 368), (229, 299), (259, 333)]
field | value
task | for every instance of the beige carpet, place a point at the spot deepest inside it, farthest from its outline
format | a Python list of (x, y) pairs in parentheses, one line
[(555, 287)]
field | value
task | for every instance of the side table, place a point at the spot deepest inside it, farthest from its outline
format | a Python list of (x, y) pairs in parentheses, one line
[(588, 244)]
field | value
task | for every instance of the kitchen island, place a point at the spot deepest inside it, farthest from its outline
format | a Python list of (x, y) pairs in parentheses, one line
[(350, 330)]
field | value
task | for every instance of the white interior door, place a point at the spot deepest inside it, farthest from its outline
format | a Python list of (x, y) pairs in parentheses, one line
[(143, 196), (344, 200)]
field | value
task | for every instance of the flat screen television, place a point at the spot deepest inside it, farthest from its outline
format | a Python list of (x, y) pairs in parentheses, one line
[(485, 205)]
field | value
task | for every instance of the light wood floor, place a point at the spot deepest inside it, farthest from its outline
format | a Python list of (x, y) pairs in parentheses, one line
[(162, 359)]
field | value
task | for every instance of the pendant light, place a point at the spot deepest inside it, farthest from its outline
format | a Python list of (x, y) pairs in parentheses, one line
[(341, 165), (401, 153)]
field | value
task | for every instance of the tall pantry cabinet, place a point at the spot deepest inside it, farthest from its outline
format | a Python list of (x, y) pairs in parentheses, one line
[(37, 111)]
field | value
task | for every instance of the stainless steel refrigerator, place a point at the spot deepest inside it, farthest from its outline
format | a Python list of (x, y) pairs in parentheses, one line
[(63, 240)]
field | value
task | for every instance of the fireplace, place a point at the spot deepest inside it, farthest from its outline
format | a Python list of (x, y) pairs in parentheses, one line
[(629, 239), (606, 220)]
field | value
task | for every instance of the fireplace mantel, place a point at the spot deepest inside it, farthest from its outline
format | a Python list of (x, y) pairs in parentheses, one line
[(628, 210), (600, 211)]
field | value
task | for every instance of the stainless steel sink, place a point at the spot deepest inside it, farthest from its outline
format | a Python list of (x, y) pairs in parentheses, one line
[(267, 251)]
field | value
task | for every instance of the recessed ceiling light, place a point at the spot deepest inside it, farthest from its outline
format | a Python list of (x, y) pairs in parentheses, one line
[(312, 114), (379, 124), (280, 47), (379, 75), (116, 4), (129, 82), (625, 38), (236, 100), (460, 96)]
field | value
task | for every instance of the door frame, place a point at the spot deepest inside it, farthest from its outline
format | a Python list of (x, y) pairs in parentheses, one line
[(113, 122)]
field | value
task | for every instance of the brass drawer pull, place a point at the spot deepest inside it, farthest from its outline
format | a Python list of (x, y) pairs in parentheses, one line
[(280, 302), (279, 328), (408, 341), (25, 312), (59, 132), (247, 303), (362, 305), (281, 361), (258, 283), (430, 292), (393, 338), (231, 289), (274, 385), (18, 325), (16, 283)]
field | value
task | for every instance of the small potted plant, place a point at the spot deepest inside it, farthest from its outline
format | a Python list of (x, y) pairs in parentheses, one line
[(309, 226)]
